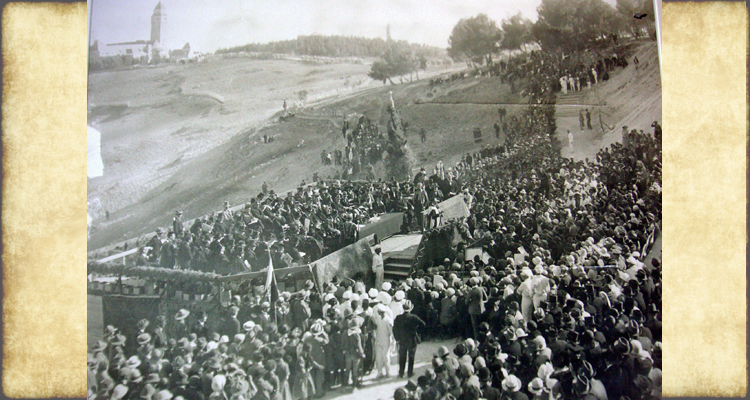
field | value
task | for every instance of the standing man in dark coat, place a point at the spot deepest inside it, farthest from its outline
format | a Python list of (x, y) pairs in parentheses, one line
[(168, 256), (580, 118), (155, 244), (405, 328), (421, 201), (657, 131), (232, 324)]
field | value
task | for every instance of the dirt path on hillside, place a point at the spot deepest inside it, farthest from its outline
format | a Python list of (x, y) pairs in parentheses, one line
[(631, 97)]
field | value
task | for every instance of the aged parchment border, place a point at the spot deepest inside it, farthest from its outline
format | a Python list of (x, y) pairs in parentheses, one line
[(44, 197)]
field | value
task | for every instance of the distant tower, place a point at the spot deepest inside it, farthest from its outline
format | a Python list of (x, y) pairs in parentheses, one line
[(158, 22), (388, 33)]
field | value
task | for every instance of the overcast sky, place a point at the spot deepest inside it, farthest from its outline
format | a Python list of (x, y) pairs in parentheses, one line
[(211, 24)]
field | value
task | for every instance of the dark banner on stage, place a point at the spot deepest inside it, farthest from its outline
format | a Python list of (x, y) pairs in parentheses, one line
[(353, 261), (453, 208), (383, 225)]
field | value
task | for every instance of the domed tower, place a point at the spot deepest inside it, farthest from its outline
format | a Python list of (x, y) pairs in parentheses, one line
[(158, 23)]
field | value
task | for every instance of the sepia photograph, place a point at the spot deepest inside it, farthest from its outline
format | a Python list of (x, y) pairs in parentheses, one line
[(293, 199)]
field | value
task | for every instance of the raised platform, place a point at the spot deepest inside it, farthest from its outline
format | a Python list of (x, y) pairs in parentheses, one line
[(398, 255), (402, 246), (383, 225)]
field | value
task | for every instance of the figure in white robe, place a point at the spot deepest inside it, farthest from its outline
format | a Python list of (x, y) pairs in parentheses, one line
[(564, 84), (383, 340), (541, 289), (570, 140), (526, 290)]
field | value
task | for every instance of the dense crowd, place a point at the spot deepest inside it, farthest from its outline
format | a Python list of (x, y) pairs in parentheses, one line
[(540, 75), (562, 306)]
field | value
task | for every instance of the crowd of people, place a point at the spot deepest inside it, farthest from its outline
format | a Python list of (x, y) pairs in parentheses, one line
[(365, 145), (562, 306), (541, 75)]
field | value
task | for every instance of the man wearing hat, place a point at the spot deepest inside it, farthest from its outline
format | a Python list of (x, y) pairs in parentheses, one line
[(299, 310), (199, 326), (485, 379), (354, 351), (144, 346), (512, 388), (317, 340), (159, 334), (155, 244), (537, 388), (477, 300), (405, 328), (377, 267), (180, 327), (232, 325)]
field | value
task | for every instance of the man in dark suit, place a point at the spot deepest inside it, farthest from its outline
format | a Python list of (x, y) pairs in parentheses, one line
[(405, 328)]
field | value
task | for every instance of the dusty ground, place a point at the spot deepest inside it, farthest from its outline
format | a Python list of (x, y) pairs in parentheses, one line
[(631, 98), (168, 144)]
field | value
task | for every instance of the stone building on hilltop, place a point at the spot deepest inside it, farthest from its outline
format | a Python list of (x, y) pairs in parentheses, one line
[(149, 51)]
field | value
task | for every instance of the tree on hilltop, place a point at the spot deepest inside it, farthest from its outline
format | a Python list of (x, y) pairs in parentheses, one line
[(517, 32), (475, 39), (397, 60), (574, 25)]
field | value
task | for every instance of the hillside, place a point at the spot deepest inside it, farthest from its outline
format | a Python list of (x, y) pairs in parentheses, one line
[(631, 97), (201, 152)]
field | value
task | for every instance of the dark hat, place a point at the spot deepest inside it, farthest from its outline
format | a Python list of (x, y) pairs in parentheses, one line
[(460, 350), (622, 346), (581, 385), (484, 374)]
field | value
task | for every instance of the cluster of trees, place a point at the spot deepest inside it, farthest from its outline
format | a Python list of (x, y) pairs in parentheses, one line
[(332, 46), (562, 26), (114, 62), (398, 59)]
